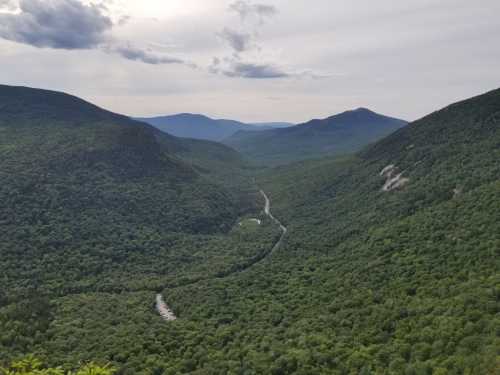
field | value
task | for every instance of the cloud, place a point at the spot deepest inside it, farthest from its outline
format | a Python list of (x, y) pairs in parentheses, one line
[(8, 5), (232, 67), (249, 59), (130, 52), (71, 25), (123, 20), (246, 51), (246, 10), (238, 41), (256, 71), (64, 24)]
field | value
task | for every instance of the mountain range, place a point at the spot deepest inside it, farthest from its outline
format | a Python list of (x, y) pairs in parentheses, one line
[(388, 264), (341, 134), (187, 125)]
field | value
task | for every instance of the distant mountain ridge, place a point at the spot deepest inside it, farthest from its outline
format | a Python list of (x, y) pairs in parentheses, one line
[(273, 125), (343, 133), (196, 126)]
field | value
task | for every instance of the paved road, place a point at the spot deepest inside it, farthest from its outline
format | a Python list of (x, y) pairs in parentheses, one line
[(167, 314), (267, 211)]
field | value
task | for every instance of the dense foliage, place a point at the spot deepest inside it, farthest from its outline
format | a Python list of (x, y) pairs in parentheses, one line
[(369, 281), (95, 205), (32, 366)]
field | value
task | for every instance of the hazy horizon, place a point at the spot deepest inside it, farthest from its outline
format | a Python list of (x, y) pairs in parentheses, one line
[(260, 61)]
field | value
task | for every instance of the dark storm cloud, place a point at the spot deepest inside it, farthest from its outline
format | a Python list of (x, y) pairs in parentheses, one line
[(71, 25), (63, 24)]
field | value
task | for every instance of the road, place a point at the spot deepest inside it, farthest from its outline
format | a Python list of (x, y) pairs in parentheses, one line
[(267, 211), (167, 313)]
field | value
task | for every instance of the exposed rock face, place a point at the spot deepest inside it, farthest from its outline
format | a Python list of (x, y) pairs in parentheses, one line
[(163, 309), (387, 171), (394, 180)]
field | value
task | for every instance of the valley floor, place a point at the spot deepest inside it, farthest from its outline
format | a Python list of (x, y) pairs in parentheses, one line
[(167, 313)]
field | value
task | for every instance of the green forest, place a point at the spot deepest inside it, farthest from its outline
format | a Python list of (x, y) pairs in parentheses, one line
[(390, 265)]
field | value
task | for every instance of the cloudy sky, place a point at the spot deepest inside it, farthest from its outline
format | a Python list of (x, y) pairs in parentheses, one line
[(262, 60)]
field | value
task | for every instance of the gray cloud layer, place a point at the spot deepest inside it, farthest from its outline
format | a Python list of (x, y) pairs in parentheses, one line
[(76, 25), (69, 24)]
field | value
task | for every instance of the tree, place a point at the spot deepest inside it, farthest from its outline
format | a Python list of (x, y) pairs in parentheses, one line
[(33, 366)]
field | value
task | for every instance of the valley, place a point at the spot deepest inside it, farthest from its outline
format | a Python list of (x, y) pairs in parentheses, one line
[(167, 313), (249, 187), (122, 245)]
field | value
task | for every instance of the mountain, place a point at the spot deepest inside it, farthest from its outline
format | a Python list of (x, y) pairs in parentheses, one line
[(195, 126), (340, 134), (389, 264), (97, 206)]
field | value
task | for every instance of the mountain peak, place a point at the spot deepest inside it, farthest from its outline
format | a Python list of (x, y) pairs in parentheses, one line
[(343, 133), (362, 110), (190, 116), (361, 114)]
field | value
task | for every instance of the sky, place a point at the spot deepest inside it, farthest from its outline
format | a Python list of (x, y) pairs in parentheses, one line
[(255, 61)]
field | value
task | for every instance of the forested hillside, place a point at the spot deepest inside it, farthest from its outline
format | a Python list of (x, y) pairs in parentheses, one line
[(404, 279), (390, 264), (401, 280), (98, 207)]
